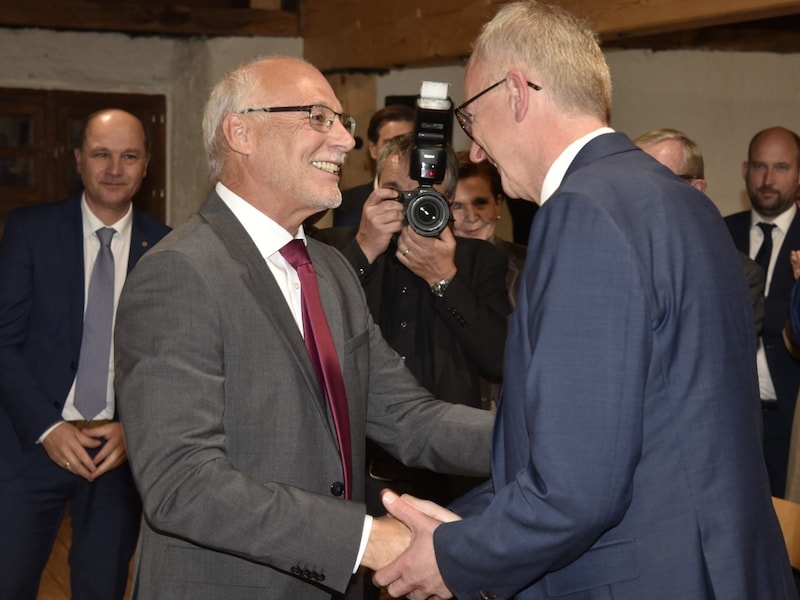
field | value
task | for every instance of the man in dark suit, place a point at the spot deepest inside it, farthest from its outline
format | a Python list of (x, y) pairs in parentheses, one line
[(626, 461), (52, 452), (242, 464), (386, 123), (772, 176)]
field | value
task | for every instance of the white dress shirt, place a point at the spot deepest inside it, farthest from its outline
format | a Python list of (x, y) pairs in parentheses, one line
[(120, 248), (557, 171), (269, 238), (782, 222)]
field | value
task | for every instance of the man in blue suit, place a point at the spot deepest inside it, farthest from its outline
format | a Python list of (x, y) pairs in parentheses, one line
[(772, 177), (627, 458), (51, 453)]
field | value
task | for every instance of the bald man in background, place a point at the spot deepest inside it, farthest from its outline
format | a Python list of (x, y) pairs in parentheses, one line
[(52, 452)]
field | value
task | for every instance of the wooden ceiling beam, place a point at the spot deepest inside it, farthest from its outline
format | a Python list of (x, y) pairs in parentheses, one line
[(735, 38), (148, 18), (385, 34)]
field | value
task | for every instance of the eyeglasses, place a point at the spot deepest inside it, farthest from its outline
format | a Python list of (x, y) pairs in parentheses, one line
[(321, 118), (465, 119)]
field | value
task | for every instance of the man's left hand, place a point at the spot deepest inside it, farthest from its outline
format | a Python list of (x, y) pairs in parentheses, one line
[(430, 258), (113, 453)]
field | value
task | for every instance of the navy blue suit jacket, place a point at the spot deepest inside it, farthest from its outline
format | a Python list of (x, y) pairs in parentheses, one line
[(627, 459), (41, 317), (784, 369)]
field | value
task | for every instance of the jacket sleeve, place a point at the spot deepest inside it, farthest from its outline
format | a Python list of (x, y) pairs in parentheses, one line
[(22, 395), (475, 305)]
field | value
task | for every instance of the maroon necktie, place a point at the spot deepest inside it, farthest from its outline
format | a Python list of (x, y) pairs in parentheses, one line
[(322, 351)]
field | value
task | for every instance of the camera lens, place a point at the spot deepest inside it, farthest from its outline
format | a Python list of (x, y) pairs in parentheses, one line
[(428, 213)]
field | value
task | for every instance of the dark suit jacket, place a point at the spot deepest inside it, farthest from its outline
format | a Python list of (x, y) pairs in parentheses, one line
[(230, 440), (784, 369), (41, 303), (348, 213), (627, 459), (467, 326), (515, 254)]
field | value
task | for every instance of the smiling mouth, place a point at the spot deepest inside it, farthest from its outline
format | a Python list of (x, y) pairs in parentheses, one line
[(329, 167)]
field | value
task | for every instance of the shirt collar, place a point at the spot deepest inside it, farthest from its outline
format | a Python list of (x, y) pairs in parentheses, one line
[(556, 172), (268, 236), (782, 221), (92, 223)]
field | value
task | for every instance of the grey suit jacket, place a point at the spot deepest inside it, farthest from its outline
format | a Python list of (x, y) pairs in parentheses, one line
[(229, 439)]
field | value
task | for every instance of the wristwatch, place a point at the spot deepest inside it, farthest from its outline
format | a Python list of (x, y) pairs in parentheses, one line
[(438, 288)]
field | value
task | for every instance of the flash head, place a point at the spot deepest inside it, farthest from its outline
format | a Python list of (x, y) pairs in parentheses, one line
[(432, 129)]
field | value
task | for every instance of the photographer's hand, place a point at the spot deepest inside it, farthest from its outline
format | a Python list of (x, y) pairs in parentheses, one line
[(381, 217), (430, 258)]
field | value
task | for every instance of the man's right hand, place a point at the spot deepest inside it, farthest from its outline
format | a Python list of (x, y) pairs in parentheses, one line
[(381, 217), (388, 538), (66, 446)]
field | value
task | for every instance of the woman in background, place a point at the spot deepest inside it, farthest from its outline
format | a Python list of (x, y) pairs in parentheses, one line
[(476, 209)]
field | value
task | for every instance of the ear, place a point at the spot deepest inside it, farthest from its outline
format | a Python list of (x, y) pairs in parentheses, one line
[(76, 152), (744, 170), (373, 150), (238, 133), (517, 84), (700, 184)]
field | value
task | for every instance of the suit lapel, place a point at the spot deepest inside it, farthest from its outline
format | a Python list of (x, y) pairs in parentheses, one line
[(70, 241), (790, 242), (739, 226), (331, 298), (259, 280), (140, 241)]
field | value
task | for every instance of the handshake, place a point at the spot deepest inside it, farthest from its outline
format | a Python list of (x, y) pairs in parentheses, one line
[(400, 548)]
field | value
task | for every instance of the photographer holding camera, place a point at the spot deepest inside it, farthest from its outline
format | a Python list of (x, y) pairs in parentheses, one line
[(440, 301)]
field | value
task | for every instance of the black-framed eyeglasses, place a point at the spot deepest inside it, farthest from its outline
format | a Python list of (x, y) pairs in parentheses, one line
[(465, 119), (321, 118)]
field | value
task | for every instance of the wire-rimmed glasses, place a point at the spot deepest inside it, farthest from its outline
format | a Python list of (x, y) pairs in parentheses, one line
[(321, 118), (465, 119)]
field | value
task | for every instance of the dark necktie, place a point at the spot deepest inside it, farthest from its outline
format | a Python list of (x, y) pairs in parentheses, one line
[(765, 251), (91, 386), (320, 347)]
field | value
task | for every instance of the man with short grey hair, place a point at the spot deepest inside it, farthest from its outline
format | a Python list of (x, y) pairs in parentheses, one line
[(627, 459)]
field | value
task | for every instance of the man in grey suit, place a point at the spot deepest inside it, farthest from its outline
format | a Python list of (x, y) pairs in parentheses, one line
[(230, 439)]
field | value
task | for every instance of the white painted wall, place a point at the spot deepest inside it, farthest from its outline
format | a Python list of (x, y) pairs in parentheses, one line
[(719, 99)]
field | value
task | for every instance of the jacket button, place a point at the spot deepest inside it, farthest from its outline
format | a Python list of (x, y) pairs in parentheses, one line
[(337, 488)]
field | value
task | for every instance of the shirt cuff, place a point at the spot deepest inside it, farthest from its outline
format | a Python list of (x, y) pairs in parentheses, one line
[(49, 429), (364, 539)]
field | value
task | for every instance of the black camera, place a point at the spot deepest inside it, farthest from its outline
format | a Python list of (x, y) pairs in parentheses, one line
[(426, 210)]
